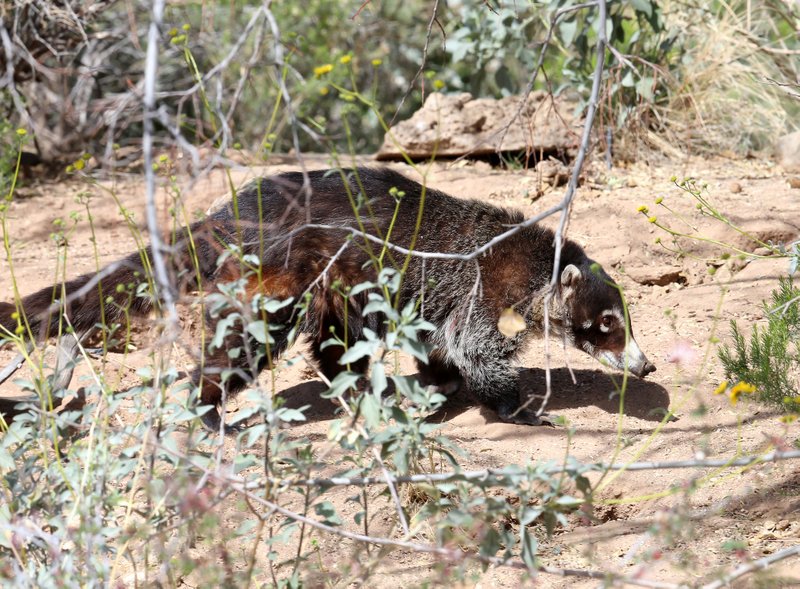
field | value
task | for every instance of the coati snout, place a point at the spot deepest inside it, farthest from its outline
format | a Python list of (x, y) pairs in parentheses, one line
[(307, 242)]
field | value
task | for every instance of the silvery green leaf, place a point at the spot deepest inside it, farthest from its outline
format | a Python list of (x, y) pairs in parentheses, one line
[(341, 384), (378, 378), (359, 350), (258, 329), (359, 288), (371, 409), (327, 512)]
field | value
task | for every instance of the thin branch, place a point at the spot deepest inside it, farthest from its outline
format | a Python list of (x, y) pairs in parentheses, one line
[(751, 567), (450, 554), (499, 475), (162, 282)]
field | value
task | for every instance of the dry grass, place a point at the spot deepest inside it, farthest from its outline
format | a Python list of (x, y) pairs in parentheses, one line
[(721, 98)]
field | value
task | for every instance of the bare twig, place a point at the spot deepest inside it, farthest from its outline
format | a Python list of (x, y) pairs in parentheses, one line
[(515, 473), (163, 286), (751, 567)]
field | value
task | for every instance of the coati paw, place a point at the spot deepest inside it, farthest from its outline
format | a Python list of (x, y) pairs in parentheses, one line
[(526, 416)]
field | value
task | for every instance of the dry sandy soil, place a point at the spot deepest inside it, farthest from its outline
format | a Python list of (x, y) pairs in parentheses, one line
[(676, 306)]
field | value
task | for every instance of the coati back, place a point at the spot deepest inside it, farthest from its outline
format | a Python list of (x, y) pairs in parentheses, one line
[(307, 241)]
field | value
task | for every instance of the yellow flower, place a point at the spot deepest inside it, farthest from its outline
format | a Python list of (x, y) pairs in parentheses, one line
[(791, 418), (377, 61), (21, 132), (659, 200), (721, 388), (739, 388), (321, 70), (324, 91), (651, 219), (438, 84), (642, 209), (345, 59)]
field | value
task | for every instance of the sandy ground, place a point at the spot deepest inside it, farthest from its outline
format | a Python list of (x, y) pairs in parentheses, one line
[(678, 310)]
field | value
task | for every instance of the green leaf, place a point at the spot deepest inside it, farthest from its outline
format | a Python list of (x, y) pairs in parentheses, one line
[(327, 512), (343, 382), (643, 6), (371, 409), (288, 414), (378, 378), (358, 350), (644, 88), (258, 329), (567, 30)]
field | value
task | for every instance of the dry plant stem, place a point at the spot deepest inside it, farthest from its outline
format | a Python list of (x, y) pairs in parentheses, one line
[(8, 79), (230, 482), (446, 553), (294, 123), (751, 567), (16, 363)]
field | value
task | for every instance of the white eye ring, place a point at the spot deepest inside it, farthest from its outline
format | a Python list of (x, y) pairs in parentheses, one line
[(605, 323)]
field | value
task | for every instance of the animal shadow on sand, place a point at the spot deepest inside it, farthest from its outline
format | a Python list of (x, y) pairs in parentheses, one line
[(644, 399)]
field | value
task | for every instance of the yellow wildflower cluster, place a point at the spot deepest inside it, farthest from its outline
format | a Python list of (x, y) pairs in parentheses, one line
[(321, 70), (736, 390)]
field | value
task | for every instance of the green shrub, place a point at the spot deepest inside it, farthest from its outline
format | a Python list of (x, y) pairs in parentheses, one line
[(770, 361)]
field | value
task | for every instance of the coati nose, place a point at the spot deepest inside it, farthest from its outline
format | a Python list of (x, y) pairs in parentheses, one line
[(648, 368)]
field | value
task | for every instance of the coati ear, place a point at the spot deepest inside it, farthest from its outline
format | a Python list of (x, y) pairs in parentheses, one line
[(570, 276)]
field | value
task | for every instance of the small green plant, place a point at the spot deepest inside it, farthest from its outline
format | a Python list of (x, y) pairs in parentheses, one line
[(770, 361)]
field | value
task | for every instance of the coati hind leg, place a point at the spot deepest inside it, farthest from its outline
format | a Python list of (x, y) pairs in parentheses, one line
[(327, 356), (440, 373), (237, 362), (226, 370)]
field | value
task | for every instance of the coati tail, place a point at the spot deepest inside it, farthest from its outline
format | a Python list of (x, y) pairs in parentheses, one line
[(122, 287)]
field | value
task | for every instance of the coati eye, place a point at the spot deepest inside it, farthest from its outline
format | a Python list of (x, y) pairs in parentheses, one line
[(606, 322)]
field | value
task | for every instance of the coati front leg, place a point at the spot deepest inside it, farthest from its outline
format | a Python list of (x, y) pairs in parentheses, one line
[(495, 381)]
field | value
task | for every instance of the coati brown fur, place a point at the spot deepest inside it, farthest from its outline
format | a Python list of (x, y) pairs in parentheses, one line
[(279, 222)]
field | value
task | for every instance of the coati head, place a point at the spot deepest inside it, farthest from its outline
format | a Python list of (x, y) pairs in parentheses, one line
[(593, 318)]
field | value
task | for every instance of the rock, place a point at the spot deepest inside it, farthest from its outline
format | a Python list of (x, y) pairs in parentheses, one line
[(452, 125), (788, 151), (735, 187), (552, 172), (794, 182), (656, 275)]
